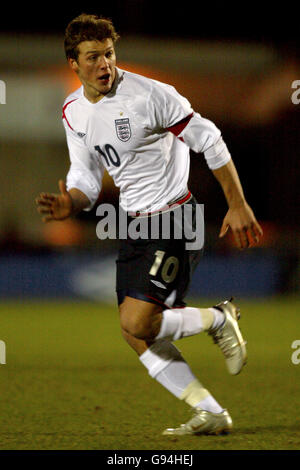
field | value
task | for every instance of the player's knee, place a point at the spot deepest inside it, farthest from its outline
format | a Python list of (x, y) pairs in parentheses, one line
[(140, 319), (136, 322), (136, 325)]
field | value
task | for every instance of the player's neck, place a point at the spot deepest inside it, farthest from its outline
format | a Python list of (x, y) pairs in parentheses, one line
[(92, 94)]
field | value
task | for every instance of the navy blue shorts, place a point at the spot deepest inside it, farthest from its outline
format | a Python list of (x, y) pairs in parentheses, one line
[(158, 269)]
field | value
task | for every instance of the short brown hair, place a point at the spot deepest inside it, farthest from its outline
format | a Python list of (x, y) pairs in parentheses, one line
[(87, 28)]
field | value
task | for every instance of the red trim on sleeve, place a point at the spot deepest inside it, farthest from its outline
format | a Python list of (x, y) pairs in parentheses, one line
[(63, 113), (178, 128)]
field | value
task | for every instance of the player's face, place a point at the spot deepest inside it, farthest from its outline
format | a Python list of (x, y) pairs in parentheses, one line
[(96, 67)]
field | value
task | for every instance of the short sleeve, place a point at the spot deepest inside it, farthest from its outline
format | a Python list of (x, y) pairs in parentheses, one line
[(166, 106)]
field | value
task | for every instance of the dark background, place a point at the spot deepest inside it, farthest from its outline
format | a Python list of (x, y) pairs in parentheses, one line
[(254, 21)]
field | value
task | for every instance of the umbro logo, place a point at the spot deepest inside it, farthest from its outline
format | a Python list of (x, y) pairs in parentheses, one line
[(81, 134), (158, 284)]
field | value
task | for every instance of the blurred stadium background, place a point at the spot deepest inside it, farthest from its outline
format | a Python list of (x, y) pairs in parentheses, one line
[(235, 70)]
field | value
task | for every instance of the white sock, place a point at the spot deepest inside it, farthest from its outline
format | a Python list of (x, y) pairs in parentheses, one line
[(209, 404), (165, 363), (219, 318), (180, 322)]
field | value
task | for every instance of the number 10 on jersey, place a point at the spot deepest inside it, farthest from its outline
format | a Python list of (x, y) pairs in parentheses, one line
[(109, 154)]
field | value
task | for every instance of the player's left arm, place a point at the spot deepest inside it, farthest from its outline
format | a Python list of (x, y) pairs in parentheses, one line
[(203, 136), (240, 217), (173, 112)]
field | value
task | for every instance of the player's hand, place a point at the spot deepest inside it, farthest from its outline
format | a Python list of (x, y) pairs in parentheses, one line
[(55, 206), (245, 228)]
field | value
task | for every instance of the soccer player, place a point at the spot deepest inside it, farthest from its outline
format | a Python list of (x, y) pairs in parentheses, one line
[(140, 130)]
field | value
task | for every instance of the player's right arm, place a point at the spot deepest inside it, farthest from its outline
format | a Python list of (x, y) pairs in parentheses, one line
[(83, 182), (61, 206)]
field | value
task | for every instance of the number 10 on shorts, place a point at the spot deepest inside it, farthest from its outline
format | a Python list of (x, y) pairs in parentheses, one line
[(169, 267)]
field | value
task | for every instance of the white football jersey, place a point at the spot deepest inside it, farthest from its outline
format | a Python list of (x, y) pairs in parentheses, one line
[(140, 132)]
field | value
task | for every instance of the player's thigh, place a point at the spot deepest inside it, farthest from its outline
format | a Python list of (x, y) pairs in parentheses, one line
[(139, 318)]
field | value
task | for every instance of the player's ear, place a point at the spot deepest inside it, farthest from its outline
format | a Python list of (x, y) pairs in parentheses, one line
[(73, 64)]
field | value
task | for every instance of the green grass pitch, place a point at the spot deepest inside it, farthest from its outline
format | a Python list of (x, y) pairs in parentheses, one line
[(71, 382)]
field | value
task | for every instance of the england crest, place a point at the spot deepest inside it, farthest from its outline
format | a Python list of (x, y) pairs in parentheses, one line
[(123, 129)]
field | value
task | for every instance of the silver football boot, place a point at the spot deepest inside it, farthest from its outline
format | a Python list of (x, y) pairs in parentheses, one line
[(229, 338), (203, 422)]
